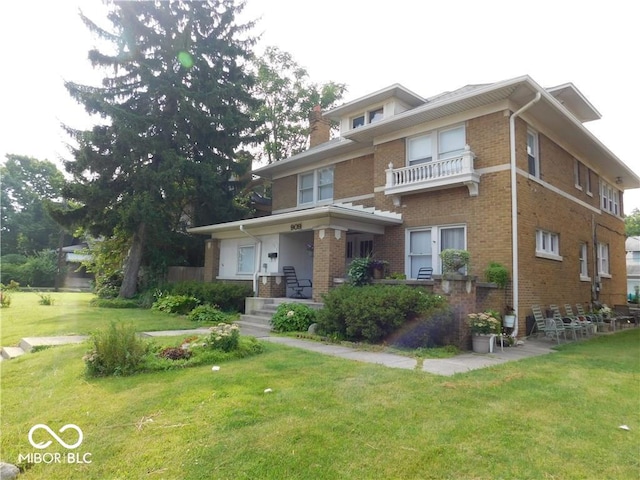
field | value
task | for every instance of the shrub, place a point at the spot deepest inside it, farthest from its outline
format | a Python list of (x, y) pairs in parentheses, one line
[(116, 351), (359, 272), (229, 297), (225, 337), (208, 314), (498, 274), (39, 270), (436, 330), (454, 260), (45, 299), (114, 303), (293, 317), (5, 299), (180, 304), (373, 312)]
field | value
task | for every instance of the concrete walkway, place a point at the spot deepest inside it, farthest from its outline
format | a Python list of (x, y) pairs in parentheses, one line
[(446, 366)]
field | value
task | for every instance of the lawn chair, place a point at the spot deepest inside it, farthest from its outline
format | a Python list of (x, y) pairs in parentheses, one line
[(547, 326), (596, 319), (567, 323), (425, 273), (623, 315), (292, 282), (584, 322)]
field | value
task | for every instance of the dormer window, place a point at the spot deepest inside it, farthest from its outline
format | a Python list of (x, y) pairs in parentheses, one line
[(357, 122), (370, 116), (376, 115)]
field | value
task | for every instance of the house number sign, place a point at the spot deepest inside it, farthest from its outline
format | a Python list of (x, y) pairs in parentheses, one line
[(296, 226)]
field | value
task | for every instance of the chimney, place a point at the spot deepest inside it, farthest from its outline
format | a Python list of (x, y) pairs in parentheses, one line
[(319, 126)]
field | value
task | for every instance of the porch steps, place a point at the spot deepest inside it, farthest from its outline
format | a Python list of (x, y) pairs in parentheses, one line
[(257, 323)]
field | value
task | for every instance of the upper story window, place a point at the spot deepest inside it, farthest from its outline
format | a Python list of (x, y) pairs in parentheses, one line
[(436, 145), (315, 187), (370, 116), (587, 184), (577, 173), (584, 264), (533, 153), (610, 198), (603, 259), (547, 245)]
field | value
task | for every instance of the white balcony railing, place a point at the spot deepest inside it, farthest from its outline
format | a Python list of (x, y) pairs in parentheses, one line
[(435, 175)]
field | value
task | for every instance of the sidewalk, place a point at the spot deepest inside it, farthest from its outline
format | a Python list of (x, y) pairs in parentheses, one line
[(442, 366)]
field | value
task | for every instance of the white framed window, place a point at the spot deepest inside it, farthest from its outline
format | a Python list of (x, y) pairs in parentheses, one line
[(577, 173), (584, 264), (587, 183), (609, 198), (315, 187), (246, 259), (357, 122), (603, 259), (370, 116), (447, 143), (423, 246), (533, 153), (548, 245)]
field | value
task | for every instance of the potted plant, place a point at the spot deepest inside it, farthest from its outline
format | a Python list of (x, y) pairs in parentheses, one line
[(454, 260), (509, 319), (483, 325), (498, 274), (378, 267)]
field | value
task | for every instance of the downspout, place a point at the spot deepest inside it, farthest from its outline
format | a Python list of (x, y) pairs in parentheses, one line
[(514, 208), (258, 258)]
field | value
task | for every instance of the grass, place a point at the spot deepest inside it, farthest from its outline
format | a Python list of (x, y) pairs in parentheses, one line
[(550, 417), (70, 314)]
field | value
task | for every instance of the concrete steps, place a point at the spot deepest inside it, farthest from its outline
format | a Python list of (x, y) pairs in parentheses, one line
[(257, 322)]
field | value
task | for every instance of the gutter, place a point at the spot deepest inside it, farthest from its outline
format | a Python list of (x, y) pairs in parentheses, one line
[(514, 208), (258, 257)]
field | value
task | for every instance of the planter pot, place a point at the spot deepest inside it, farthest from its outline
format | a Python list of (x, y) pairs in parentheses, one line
[(509, 321), (480, 342), (378, 273)]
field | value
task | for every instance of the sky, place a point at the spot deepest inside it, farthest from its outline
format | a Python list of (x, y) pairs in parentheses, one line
[(427, 46)]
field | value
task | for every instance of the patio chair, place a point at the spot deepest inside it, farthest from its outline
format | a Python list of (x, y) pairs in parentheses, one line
[(594, 318), (623, 315), (425, 273), (547, 326), (292, 282), (565, 322), (584, 322)]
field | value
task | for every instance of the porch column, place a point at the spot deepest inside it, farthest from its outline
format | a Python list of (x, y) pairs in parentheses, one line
[(329, 247), (211, 259)]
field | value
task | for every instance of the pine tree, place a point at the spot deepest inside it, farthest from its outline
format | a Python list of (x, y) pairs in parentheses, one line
[(177, 109)]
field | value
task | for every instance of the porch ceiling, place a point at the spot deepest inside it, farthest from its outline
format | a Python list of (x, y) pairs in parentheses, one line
[(342, 216)]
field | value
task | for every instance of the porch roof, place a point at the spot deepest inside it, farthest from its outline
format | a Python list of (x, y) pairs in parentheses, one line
[(343, 216)]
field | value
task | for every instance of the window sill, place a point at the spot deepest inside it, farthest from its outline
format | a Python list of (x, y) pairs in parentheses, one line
[(549, 256), (585, 279), (604, 275)]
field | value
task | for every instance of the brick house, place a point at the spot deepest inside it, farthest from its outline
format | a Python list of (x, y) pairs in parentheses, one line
[(506, 171)]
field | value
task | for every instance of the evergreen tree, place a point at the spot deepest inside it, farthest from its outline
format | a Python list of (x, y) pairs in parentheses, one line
[(178, 109)]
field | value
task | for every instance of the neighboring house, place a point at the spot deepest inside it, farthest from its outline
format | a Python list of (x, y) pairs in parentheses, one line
[(77, 276), (506, 171), (632, 246)]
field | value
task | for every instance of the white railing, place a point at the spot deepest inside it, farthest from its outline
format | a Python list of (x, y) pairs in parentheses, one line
[(431, 172)]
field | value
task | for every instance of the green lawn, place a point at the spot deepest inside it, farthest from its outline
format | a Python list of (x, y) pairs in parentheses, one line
[(71, 314), (550, 417)]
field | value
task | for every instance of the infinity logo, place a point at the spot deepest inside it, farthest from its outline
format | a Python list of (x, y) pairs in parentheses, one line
[(42, 445)]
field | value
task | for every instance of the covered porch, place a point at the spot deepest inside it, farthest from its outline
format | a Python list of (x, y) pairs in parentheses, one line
[(318, 242)]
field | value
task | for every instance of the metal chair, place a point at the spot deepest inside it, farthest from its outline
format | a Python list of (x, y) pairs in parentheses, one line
[(569, 325), (595, 318), (547, 326), (425, 273), (583, 321), (292, 282)]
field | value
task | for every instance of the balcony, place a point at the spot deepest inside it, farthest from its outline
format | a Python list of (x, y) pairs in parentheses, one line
[(434, 175)]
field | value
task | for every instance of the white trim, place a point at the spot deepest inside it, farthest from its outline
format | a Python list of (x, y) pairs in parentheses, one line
[(549, 256)]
